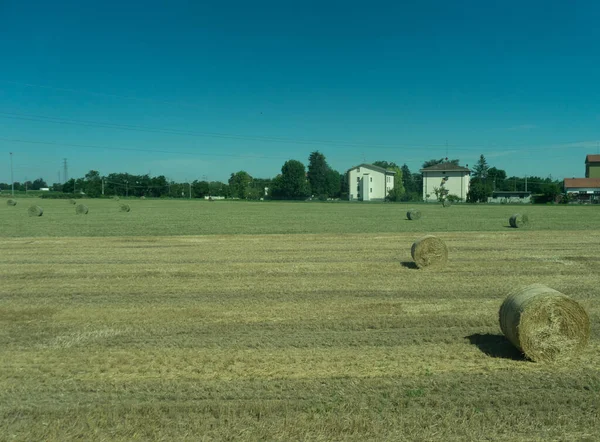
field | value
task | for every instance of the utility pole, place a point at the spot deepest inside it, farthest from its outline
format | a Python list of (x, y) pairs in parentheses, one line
[(525, 183), (190, 186), (12, 179), (65, 169), (102, 186), (126, 188)]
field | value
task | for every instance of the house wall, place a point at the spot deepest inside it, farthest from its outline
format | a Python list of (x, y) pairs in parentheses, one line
[(592, 170), (373, 183), (457, 184)]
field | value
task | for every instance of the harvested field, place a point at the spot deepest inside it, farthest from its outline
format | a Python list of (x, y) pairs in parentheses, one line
[(313, 336)]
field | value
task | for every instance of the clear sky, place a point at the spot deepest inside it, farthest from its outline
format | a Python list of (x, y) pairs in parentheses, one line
[(195, 90)]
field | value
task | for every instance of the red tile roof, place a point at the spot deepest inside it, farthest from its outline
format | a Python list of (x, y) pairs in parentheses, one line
[(582, 182), (592, 159)]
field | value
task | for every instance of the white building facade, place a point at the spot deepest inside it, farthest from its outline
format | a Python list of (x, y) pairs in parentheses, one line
[(455, 179), (369, 183)]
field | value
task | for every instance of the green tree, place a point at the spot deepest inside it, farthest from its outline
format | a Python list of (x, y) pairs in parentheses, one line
[(239, 184), (433, 162), (477, 192), (481, 168), (200, 189), (333, 183), (386, 165), (38, 184), (292, 183), (497, 177), (92, 184), (398, 191), (317, 173)]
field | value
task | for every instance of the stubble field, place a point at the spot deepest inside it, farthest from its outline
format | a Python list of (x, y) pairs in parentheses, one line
[(286, 321)]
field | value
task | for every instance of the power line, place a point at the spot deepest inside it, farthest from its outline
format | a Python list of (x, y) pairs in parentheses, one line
[(218, 135), (170, 131), (169, 152)]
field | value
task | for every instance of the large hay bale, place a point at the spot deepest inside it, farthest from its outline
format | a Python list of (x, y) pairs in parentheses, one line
[(124, 208), (518, 220), (446, 203), (11, 202), (81, 209), (543, 323), (429, 252), (35, 211), (72, 201), (413, 214)]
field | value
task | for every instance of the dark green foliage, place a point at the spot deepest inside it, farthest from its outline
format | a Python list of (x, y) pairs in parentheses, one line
[(239, 184), (292, 183), (317, 173), (478, 192), (433, 162)]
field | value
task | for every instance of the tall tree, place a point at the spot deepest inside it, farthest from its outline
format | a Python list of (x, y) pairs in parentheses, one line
[(317, 173), (239, 184), (292, 183), (397, 192), (481, 168), (38, 184)]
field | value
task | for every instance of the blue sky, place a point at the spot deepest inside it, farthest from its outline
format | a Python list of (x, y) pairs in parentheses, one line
[(195, 90)]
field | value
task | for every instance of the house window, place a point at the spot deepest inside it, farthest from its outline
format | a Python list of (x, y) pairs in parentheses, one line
[(371, 190), (371, 179), (358, 179), (358, 188), (387, 179)]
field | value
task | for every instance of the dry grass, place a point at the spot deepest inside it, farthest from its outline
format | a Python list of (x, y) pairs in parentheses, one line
[(287, 337)]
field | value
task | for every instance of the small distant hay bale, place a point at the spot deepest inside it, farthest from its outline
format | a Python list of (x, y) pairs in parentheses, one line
[(35, 211), (544, 324), (142, 197), (124, 208), (518, 220), (116, 198), (413, 214), (72, 201), (11, 203), (429, 252), (446, 203), (81, 209)]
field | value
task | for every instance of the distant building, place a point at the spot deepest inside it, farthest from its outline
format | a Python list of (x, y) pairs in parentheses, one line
[(455, 179), (369, 183), (45, 189), (583, 189), (592, 166), (510, 197)]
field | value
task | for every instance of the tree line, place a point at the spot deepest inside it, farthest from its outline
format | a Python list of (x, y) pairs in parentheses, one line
[(295, 182)]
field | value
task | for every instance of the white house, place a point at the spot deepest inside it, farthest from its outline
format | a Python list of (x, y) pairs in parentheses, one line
[(455, 179), (369, 183)]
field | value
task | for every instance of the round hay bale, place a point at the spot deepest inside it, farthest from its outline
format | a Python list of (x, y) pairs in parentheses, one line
[(35, 211), (116, 198), (142, 197), (81, 209), (413, 214), (72, 201), (518, 220), (11, 203), (446, 203), (429, 252), (125, 208), (543, 323)]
